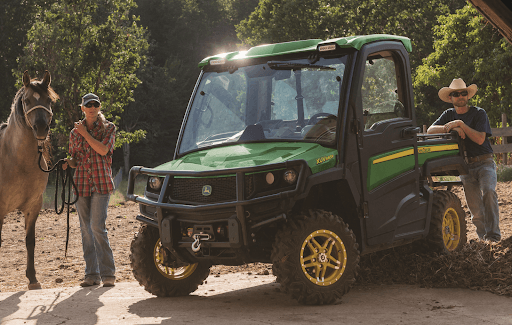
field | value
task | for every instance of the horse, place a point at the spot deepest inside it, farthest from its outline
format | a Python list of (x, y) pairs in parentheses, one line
[(22, 137)]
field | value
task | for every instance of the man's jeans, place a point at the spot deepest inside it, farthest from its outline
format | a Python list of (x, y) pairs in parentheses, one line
[(482, 200), (99, 260)]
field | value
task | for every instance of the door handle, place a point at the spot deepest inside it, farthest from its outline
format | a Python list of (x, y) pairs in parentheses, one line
[(410, 132)]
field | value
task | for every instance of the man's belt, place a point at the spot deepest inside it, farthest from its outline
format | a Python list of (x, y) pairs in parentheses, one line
[(479, 158)]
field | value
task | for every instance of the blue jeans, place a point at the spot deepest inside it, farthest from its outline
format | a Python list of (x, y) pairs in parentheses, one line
[(480, 191), (99, 260)]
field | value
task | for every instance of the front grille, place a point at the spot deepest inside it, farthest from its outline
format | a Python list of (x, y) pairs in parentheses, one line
[(223, 189)]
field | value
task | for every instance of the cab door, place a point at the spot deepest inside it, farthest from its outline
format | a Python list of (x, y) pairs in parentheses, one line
[(393, 209)]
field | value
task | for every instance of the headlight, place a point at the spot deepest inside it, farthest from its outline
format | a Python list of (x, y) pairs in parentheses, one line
[(155, 183), (269, 178), (290, 176)]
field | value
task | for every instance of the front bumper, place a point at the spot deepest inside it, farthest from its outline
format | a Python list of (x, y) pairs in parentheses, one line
[(240, 215)]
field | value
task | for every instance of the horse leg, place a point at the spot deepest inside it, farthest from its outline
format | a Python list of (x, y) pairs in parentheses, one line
[(30, 242)]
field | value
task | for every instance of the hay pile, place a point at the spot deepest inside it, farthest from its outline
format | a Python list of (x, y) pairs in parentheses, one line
[(478, 266)]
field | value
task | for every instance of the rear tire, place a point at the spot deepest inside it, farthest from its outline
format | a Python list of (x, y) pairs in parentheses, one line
[(315, 258), (162, 281), (447, 232)]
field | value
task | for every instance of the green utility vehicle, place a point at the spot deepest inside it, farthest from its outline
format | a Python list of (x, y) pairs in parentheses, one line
[(305, 155)]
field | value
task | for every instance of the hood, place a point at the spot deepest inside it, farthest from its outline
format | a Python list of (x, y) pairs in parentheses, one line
[(254, 154), (498, 13)]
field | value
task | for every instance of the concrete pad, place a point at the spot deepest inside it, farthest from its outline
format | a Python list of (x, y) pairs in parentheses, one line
[(251, 299)]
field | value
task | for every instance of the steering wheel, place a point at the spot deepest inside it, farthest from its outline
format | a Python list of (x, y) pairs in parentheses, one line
[(314, 119)]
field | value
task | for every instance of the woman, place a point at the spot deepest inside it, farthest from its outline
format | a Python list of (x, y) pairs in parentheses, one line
[(91, 144)]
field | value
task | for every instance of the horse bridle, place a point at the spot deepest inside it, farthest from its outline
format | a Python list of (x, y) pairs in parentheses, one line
[(25, 112), (27, 121)]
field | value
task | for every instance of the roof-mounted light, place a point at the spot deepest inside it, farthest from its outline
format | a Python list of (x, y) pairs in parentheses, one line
[(218, 62), (328, 47)]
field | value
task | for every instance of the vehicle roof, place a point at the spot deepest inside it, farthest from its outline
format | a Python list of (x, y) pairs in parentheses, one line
[(310, 45), (498, 13)]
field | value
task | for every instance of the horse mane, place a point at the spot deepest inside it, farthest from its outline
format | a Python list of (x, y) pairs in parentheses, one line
[(17, 114)]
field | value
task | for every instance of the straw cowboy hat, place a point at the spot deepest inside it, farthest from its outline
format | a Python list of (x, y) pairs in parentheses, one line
[(456, 85)]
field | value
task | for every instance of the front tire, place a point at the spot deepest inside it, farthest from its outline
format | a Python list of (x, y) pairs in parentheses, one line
[(315, 258), (447, 232), (146, 261)]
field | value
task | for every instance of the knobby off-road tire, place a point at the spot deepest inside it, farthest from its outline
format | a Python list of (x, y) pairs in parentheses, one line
[(146, 258), (315, 258), (447, 232)]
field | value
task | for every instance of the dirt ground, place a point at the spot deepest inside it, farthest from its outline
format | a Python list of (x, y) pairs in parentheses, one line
[(479, 266)]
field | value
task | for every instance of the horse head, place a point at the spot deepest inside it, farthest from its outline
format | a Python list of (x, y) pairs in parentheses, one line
[(37, 99)]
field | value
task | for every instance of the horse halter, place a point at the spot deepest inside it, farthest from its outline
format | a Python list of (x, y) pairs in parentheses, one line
[(25, 112)]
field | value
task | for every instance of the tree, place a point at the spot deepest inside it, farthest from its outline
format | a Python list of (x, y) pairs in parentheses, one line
[(88, 46), (182, 33), (16, 18), (288, 20), (468, 47)]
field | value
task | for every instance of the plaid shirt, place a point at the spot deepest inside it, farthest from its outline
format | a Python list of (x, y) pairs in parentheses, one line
[(93, 171)]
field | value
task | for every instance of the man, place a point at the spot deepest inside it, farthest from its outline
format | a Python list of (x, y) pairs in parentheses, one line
[(473, 126)]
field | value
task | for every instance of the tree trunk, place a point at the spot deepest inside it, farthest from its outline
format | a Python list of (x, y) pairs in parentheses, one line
[(126, 157)]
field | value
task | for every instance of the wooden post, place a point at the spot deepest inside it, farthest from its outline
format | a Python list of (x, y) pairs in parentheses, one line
[(504, 138), (424, 129)]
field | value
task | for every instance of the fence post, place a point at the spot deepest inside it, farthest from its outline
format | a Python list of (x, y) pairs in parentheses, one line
[(424, 129), (504, 138)]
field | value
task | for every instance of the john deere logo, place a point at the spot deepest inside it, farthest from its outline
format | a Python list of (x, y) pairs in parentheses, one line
[(207, 190)]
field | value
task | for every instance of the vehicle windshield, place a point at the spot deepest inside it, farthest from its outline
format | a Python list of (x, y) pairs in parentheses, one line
[(291, 100)]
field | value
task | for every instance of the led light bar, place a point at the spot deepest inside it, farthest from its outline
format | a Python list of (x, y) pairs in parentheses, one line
[(217, 62), (329, 47)]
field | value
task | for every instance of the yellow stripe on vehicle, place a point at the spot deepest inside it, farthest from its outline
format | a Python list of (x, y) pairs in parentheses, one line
[(438, 148), (409, 152), (397, 155)]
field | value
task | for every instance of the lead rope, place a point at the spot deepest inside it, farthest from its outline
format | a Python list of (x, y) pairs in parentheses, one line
[(66, 177)]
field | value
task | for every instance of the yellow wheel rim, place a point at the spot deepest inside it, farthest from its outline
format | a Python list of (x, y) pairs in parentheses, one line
[(179, 273), (451, 229), (323, 257)]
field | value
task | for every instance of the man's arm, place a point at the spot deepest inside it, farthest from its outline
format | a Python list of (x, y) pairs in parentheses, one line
[(434, 129), (474, 135)]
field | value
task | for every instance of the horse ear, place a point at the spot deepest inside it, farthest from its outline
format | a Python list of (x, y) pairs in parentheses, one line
[(47, 79), (26, 78)]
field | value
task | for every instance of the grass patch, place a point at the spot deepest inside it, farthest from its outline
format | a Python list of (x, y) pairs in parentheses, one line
[(119, 195)]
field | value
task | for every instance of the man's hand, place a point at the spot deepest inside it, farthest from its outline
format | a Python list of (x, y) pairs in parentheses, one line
[(461, 132), (452, 125)]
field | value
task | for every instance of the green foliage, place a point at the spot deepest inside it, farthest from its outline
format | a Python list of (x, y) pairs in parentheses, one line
[(129, 137), (88, 46), (287, 20), (467, 47), (16, 18), (504, 173), (182, 33)]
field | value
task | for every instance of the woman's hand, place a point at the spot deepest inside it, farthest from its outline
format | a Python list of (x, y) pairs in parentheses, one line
[(81, 128), (71, 162)]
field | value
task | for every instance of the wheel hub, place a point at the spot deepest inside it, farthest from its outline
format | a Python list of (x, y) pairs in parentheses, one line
[(323, 257), (161, 260), (451, 229)]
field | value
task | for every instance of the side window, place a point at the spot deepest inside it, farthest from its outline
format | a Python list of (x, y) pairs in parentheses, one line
[(380, 90)]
